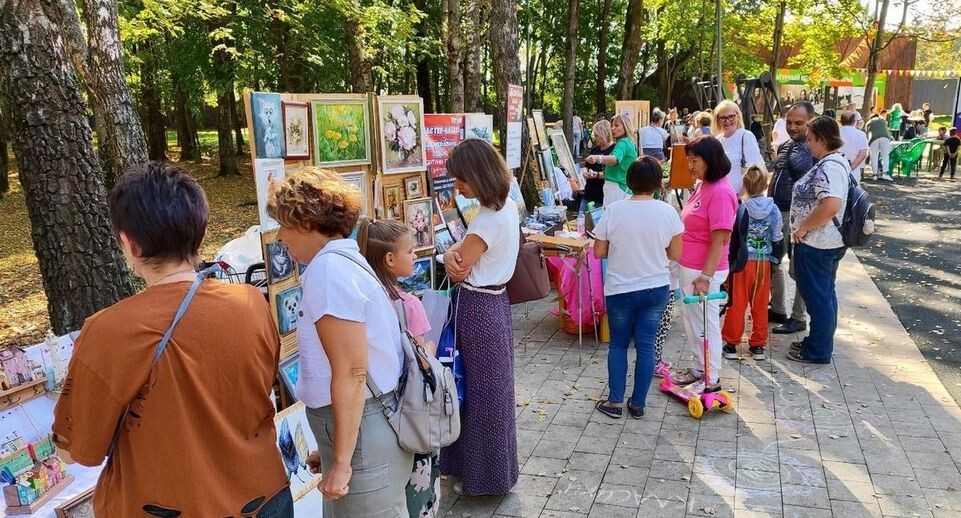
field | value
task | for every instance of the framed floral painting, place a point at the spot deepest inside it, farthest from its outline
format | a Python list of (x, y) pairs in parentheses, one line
[(297, 130), (341, 132), (401, 134), (418, 216)]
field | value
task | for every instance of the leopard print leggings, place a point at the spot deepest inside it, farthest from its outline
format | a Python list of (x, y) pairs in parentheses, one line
[(663, 328)]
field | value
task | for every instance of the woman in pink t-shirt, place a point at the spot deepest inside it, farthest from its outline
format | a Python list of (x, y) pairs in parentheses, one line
[(708, 218)]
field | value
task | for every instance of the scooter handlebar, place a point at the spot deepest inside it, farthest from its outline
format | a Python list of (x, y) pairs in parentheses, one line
[(717, 295)]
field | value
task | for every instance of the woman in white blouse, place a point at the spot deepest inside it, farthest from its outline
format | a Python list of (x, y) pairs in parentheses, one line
[(365, 471), (740, 145), (484, 458)]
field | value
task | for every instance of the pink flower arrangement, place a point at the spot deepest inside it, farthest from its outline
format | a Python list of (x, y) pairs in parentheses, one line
[(401, 130)]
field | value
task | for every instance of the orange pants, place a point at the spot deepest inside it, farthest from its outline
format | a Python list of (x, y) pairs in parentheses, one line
[(751, 286)]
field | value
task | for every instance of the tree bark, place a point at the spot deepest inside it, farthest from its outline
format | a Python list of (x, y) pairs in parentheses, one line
[(99, 62), (225, 143), (874, 54), (630, 49), (423, 61), (186, 131), (505, 55), (151, 105), (453, 46), (236, 111), (473, 101), (600, 88), (778, 36), (570, 69), (4, 149), (360, 80), (82, 269), (223, 79)]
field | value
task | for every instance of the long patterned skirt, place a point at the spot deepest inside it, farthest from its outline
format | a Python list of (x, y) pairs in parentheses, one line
[(484, 458)]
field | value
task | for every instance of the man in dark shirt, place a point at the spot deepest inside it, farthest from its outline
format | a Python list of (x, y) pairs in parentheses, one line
[(793, 161), (951, 145)]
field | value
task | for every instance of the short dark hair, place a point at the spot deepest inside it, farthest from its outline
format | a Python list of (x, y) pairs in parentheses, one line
[(476, 162), (847, 118), (711, 151), (826, 129), (162, 209), (953, 131), (644, 175), (803, 105)]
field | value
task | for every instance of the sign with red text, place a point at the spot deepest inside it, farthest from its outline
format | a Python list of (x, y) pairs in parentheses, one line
[(515, 117), (442, 132)]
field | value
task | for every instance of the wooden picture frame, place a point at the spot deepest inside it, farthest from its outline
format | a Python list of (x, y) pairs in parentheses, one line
[(415, 187), (541, 128), (341, 129), (358, 179), (297, 135), (402, 146), (289, 372), (393, 200), (80, 506), (418, 215)]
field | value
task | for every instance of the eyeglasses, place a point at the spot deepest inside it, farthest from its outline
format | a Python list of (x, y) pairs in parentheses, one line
[(727, 117)]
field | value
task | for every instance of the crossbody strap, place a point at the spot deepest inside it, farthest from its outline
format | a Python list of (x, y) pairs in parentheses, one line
[(161, 347), (371, 384)]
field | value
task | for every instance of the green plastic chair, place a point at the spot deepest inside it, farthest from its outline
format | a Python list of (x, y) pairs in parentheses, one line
[(907, 156)]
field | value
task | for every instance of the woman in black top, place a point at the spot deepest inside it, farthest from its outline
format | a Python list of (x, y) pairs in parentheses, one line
[(594, 173)]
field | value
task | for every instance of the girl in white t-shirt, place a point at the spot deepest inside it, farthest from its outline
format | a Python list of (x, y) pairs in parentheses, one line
[(389, 248)]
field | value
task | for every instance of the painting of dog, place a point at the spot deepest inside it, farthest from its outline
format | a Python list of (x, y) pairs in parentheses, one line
[(288, 309)]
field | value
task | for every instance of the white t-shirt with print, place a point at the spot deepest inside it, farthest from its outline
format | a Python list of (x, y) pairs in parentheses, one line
[(827, 179), (639, 231), (854, 142), (500, 230), (336, 286), (741, 139)]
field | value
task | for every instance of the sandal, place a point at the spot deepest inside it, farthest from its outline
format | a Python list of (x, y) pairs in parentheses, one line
[(636, 412), (798, 356), (606, 408)]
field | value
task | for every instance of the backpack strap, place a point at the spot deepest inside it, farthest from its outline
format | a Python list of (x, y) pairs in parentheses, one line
[(743, 160), (820, 165)]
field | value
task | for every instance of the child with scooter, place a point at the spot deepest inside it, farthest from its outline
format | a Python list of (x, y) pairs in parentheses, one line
[(752, 285)]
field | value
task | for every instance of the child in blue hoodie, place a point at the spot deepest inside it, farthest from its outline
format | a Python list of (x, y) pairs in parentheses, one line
[(752, 285)]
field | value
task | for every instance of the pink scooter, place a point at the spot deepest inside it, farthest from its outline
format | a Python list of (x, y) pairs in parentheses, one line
[(697, 400)]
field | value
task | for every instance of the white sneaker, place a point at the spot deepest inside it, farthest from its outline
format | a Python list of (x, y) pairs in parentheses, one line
[(887, 178)]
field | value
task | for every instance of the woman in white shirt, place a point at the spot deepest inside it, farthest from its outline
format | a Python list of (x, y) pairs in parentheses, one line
[(740, 145), (484, 458), (343, 306), (636, 287)]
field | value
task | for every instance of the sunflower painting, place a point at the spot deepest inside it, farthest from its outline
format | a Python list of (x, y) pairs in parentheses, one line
[(341, 132)]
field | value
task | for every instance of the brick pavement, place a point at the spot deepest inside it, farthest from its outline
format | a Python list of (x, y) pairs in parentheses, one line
[(873, 434)]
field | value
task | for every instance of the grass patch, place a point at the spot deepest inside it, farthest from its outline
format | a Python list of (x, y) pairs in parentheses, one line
[(233, 210)]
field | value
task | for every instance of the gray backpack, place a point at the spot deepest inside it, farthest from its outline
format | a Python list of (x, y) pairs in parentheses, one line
[(427, 414)]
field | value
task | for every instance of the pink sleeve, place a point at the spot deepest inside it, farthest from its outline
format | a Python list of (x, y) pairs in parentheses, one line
[(722, 210), (417, 322)]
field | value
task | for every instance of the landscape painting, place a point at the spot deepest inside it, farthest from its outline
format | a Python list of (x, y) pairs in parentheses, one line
[(341, 132)]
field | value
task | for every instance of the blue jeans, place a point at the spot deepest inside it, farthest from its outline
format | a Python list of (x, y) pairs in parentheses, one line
[(816, 271), (280, 506), (633, 315)]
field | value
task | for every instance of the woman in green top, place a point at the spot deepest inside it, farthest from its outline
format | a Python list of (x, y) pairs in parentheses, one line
[(894, 120), (616, 164)]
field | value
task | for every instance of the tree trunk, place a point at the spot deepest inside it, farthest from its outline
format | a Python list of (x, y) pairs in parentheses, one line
[(570, 69), (778, 35), (473, 101), (873, 56), (99, 62), (360, 81), (600, 88), (225, 142), (451, 28), (186, 133), (4, 149), (630, 49), (505, 55), (82, 269), (236, 111), (153, 116), (423, 61)]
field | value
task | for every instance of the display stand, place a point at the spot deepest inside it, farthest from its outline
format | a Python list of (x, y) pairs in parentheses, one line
[(35, 506), (577, 248)]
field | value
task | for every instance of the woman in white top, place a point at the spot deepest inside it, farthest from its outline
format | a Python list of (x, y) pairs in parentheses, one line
[(740, 145), (638, 236), (342, 306), (484, 458)]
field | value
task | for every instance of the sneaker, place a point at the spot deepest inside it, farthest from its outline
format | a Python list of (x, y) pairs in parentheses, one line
[(791, 326), (685, 377), (730, 352), (716, 387), (887, 178), (774, 317), (662, 369), (757, 352)]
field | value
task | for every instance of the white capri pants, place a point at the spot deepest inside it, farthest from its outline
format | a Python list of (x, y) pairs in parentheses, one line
[(694, 323)]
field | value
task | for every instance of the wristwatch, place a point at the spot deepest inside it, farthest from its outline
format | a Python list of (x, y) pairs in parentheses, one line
[(705, 277)]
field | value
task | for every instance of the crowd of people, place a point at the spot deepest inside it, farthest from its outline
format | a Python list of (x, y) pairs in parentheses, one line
[(217, 397)]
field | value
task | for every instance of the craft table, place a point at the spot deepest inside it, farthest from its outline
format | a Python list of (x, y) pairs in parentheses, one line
[(578, 248)]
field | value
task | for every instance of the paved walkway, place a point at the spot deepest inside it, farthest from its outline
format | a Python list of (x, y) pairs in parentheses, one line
[(873, 434)]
